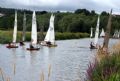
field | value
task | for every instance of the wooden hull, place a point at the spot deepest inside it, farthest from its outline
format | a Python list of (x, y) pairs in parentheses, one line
[(49, 45), (93, 47), (33, 49), (22, 44), (12, 46), (43, 43), (52, 45)]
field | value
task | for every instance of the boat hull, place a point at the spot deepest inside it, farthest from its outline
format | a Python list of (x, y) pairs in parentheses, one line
[(43, 43), (12, 46), (33, 49), (51, 45), (93, 47)]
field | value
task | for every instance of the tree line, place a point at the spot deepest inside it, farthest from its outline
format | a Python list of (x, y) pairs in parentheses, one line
[(81, 20)]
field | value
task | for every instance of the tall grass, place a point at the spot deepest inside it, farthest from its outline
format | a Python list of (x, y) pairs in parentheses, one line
[(6, 36), (108, 69), (1, 73)]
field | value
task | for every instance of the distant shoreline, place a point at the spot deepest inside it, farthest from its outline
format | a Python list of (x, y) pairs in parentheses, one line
[(6, 36)]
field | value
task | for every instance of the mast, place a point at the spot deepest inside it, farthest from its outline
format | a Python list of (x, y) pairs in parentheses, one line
[(107, 34), (24, 27)]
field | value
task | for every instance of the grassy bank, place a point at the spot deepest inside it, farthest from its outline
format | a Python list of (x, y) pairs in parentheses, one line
[(6, 36), (107, 69)]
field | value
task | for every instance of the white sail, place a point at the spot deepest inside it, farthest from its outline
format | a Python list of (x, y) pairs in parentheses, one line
[(15, 28), (24, 27), (102, 33), (91, 34), (97, 32), (119, 34), (34, 29), (50, 36), (116, 34)]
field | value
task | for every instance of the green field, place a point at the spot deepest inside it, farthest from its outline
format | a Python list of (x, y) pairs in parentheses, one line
[(6, 36)]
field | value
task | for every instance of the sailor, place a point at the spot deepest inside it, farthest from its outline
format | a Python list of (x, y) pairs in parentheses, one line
[(21, 43), (91, 45), (31, 46), (48, 43), (9, 44)]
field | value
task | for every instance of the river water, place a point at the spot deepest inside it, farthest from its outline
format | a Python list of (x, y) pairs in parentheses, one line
[(68, 61)]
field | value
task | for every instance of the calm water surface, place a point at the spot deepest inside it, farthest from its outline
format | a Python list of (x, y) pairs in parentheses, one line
[(69, 61)]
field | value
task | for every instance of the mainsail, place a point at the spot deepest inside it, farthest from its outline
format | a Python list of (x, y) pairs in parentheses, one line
[(97, 31), (116, 34), (50, 36), (15, 28), (102, 33), (91, 34), (34, 29)]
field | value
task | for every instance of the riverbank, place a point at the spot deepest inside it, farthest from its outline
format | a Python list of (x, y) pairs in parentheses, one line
[(107, 69), (6, 36)]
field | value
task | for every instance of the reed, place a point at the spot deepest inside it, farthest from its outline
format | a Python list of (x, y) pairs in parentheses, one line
[(8, 79), (1, 72), (14, 68), (49, 71), (105, 70), (116, 48), (42, 76)]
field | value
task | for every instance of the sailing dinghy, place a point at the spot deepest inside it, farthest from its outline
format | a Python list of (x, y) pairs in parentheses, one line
[(50, 35), (95, 45), (33, 44), (13, 44)]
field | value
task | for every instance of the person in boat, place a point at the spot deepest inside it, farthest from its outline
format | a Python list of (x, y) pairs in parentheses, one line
[(9, 44), (21, 43), (48, 43), (31, 46), (92, 46)]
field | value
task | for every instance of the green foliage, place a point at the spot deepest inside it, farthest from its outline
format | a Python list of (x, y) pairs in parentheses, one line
[(67, 35), (79, 21), (106, 70)]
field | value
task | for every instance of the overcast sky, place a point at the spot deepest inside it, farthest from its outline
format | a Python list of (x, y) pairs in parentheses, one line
[(63, 5)]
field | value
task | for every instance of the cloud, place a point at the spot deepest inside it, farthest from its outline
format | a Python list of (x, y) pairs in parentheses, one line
[(63, 5)]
